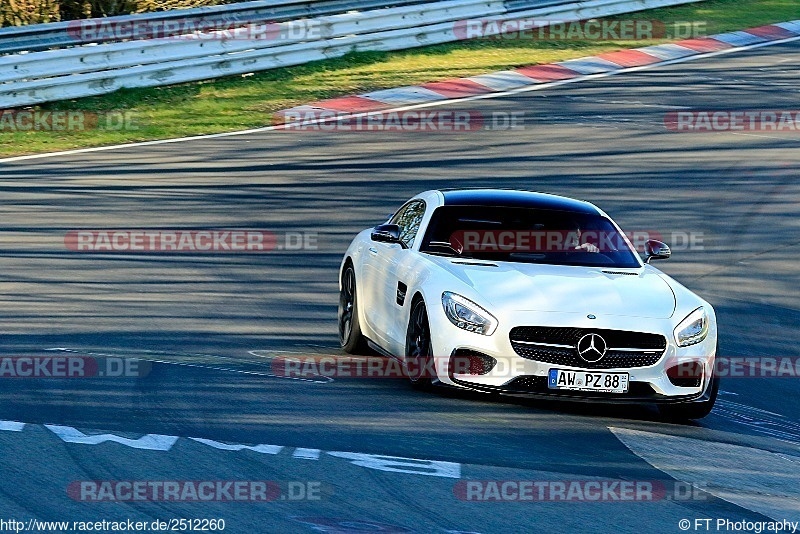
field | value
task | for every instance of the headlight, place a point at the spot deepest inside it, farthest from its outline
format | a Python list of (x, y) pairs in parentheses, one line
[(467, 315), (693, 329)]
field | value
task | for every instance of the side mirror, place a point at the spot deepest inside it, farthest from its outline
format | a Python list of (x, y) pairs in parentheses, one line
[(656, 250), (387, 233)]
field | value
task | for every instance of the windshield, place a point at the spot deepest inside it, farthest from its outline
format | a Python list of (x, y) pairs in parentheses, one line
[(527, 235)]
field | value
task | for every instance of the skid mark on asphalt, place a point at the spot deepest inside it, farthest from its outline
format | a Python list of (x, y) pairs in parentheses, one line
[(771, 424), (758, 480), (201, 361), (626, 103)]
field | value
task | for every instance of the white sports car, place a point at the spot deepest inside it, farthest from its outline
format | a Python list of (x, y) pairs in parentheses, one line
[(527, 294)]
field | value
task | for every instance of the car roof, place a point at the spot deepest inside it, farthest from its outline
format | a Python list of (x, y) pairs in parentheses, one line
[(514, 199)]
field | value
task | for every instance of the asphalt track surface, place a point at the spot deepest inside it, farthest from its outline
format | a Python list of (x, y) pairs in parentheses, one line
[(212, 322)]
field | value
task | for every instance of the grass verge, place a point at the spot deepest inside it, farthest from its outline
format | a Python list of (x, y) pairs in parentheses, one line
[(236, 103)]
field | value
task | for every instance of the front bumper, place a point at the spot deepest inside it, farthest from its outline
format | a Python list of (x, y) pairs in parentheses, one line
[(524, 377)]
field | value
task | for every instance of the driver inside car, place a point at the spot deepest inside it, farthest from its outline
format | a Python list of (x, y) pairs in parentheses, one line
[(575, 230)]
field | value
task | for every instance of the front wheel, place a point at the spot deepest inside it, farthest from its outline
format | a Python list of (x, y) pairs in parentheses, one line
[(419, 358)]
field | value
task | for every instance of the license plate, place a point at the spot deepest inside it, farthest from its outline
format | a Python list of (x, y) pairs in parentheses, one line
[(587, 381)]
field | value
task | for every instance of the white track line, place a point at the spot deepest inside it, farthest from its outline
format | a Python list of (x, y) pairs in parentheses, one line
[(536, 87)]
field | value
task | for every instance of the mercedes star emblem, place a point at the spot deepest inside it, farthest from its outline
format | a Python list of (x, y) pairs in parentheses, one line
[(592, 347)]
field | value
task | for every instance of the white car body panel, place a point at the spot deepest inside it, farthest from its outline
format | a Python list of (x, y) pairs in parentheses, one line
[(564, 288)]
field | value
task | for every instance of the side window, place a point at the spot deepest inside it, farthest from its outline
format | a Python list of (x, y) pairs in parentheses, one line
[(408, 218)]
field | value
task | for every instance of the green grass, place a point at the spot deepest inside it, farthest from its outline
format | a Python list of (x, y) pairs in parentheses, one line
[(236, 103)]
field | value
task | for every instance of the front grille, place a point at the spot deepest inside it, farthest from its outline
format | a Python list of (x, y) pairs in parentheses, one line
[(557, 346)]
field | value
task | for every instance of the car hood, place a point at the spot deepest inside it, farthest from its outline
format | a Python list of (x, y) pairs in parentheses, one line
[(555, 288)]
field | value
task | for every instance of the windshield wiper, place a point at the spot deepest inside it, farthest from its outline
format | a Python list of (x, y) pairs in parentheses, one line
[(444, 244)]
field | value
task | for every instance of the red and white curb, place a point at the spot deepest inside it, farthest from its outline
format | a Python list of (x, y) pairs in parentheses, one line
[(508, 80)]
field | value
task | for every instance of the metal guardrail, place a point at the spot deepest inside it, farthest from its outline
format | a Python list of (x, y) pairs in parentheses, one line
[(39, 37), (103, 68)]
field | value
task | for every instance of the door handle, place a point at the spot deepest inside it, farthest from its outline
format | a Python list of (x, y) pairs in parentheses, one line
[(373, 250)]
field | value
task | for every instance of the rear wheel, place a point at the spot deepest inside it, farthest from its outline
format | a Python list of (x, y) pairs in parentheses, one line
[(350, 337), (419, 357)]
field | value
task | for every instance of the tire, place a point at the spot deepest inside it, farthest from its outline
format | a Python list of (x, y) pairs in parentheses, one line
[(351, 338), (693, 410), (419, 349)]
